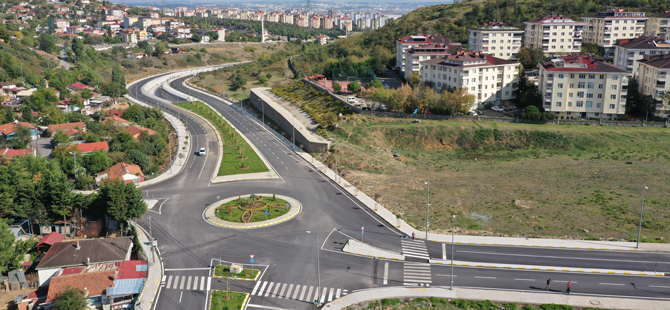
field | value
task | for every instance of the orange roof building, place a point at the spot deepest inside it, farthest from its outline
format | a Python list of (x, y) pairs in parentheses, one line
[(64, 127), (11, 152), (86, 148), (116, 120), (136, 131), (122, 171)]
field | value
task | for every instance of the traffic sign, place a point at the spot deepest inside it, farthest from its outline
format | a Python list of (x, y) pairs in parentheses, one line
[(287, 204), (251, 260), (266, 212), (252, 256)]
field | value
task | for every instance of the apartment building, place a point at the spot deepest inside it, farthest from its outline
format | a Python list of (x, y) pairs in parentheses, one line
[(490, 79), (583, 87), (417, 54), (628, 52), (658, 26), (496, 39), (604, 28), (555, 34), (408, 42), (653, 75)]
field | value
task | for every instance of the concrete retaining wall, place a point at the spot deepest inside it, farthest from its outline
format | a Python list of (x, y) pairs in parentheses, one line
[(311, 142)]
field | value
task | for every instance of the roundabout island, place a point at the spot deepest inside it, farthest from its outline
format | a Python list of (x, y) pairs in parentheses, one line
[(252, 211)]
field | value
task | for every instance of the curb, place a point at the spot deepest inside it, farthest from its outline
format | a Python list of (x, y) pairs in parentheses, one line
[(244, 303), (299, 206), (538, 246), (555, 269), (243, 279)]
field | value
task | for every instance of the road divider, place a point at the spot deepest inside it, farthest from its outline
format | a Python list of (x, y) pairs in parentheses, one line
[(210, 216), (356, 247)]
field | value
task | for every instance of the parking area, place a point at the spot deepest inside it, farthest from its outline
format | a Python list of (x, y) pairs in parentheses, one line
[(391, 78)]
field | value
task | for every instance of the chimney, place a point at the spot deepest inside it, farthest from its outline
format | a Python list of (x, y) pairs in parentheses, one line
[(88, 260), (78, 247)]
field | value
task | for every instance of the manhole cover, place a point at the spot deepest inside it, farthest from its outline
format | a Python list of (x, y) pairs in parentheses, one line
[(594, 302)]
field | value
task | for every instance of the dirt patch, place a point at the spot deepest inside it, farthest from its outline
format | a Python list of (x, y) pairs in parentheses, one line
[(527, 204)]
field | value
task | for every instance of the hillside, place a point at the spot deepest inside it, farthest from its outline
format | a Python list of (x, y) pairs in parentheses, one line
[(453, 20)]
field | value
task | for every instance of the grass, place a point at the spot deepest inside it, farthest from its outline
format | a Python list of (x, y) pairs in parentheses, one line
[(222, 300), (232, 141), (512, 179), (224, 271), (454, 304), (276, 208), (322, 108)]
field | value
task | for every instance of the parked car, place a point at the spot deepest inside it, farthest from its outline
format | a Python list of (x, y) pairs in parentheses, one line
[(497, 109), (387, 86), (202, 152), (351, 99)]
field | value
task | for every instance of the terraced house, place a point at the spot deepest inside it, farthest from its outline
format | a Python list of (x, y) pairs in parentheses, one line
[(583, 87), (491, 79)]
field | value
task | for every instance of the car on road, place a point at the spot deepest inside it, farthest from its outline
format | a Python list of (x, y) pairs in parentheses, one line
[(202, 152), (497, 109)]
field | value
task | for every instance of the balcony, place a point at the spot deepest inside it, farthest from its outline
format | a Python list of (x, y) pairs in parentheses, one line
[(547, 98), (550, 81), (549, 89), (517, 36), (486, 36), (660, 86), (545, 35), (485, 42), (624, 81), (516, 42), (662, 76), (624, 89), (577, 43)]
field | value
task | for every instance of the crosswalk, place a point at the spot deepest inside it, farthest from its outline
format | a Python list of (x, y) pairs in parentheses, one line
[(194, 283), (297, 292), (416, 248), (417, 274)]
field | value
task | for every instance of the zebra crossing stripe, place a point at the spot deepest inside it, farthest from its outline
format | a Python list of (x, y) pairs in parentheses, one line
[(337, 294), (195, 283), (169, 281), (297, 290), (308, 294), (330, 295), (183, 281), (323, 295), (281, 293), (188, 284), (253, 292), (288, 293), (267, 293), (274, 293), (202, 283)]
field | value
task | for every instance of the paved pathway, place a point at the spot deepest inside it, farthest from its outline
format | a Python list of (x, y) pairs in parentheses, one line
[(154, 272)]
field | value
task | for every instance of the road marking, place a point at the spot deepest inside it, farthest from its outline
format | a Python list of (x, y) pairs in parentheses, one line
[(188, 284), (612, 284), (524, 279), (180, 295), (260, 291), (267, 293), (303, 292), (561, 281), (445, 275), (265, 307), (330, 294), (281, 293), (297, 290), (444, 251), (323, 294), (543, 256), (288, 293), (337, 294), (202, 283), (183, 281), (478, 277), (195, 283), (386, 274), (209, 283), (169, 281), (659, 286), (274, 293)]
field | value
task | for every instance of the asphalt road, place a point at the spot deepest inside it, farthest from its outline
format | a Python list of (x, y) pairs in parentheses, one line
[(297, 253)]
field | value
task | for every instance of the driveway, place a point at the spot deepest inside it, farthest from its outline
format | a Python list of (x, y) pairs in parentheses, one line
[(43, 146)]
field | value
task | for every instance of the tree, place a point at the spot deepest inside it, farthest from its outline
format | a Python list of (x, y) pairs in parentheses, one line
[(72, 298), (86, 93), (78, 48), (160, 48), (337, 87), (140, 159), (414, 79), (114, 90), (375, 84), (97, 161), (21, 138), (637, 103), (354, 87), (121, 201), (60, 138), (7, 254), (118, 76), (27, 114), (196, 38), (47, 43), (262, 79)]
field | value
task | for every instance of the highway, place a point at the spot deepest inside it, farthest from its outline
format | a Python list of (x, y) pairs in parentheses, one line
[(291, 253)]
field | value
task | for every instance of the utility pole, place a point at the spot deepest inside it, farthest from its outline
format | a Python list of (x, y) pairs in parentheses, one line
[(151, 240), (318, 265), (639, 230), (427, 207), (453, 225)]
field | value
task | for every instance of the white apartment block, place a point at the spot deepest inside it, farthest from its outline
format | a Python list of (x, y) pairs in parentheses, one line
[(417, 54), (628, 52), (496, 39), (555, 34), (658, 26), (604, 28), (490, 79), (406, 43), (583, 87), (653, 75)]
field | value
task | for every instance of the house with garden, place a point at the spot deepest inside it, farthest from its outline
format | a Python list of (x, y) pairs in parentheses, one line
[(121, 171)]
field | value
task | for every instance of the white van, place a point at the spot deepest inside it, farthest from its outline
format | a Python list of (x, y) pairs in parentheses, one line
[(351, 99)]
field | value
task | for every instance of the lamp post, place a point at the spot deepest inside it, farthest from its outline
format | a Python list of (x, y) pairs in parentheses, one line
[(639, 230), (318, 269), (453, 225), (427, 207)]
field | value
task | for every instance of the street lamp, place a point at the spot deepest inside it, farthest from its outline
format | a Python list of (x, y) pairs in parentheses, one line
[(453, 227), (639, 230), (427, 207), (318, 268)]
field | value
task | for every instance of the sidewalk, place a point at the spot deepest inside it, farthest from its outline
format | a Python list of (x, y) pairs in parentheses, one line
[(210, 213), (151, 287), (497, 296)]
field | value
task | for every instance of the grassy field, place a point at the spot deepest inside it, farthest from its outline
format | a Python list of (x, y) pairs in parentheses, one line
[(232, 160), (224, 271), (275, 208), (512, 179), (222, 300), (444, 304), (322, 108)]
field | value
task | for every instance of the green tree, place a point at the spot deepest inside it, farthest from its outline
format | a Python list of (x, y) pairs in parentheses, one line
[(118, 76), (637, 103), (160, 47), (262, 79), (47, 43), (7, 255), (86, 93), (27, 114), (60, 138), (196, 38), (414, 79), (337, 87), (354, 87), (375, 84), (97, 161), (72, 298), (121, 201), (78, 48), (21, 138), (140, 159)]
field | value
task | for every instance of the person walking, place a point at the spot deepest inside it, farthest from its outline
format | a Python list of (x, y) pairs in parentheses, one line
[(548, 284), (568, 290), (412, 236)]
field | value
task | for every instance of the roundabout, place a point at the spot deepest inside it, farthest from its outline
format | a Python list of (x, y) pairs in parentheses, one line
[(252, 211)]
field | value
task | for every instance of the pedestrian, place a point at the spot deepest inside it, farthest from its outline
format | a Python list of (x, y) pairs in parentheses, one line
[(568, 290), (412, 236), (548, 284)]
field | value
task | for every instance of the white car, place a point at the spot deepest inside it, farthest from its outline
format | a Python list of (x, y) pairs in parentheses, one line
[(497, 109), (202, 152), (387, 86)]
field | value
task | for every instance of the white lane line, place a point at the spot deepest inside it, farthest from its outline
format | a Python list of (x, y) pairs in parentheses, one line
[(543, 256), (445, 275), (265, 307), (618, 284), (478, 277), (253, 292), (180, 295), (659, 286), (444, 251), (524, 279), (386, 275), (561, 281)]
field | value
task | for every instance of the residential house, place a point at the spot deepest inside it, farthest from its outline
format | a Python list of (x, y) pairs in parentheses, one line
[(410, 41), (136, 131), (658, 26), (87, 148), (628, 52), (490, 79), (496, 39), (604, 28), (583, 87), (322, 40), (47, 241), (81, 253), (417, 54), (9, 130), (121, 171), (116, 120), (76, 126), (77, 87), (555, 34), (653, 75), (11, 153)]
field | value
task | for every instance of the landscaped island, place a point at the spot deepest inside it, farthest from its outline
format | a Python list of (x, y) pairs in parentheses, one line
[(252, 209)]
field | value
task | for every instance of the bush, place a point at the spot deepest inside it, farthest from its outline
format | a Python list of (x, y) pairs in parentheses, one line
[(337, 87), (354, 87), (555, 307), (391, 302)]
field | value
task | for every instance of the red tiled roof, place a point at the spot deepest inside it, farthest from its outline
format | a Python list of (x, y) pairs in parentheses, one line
[(588, 64), (128, 270), (470, 56), (135, 129), (77, 86), (115, 119), (10, 128), (57, 127), (117, 171), (11, 152), (95, 283), (51, 238), (90, 147)]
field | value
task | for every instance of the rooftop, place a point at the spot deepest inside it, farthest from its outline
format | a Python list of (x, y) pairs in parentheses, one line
[(137, 129), (554, 19), (469, 59), (657, 61), (644, 43), (617, 13), (58, 127), (91, 147), (51, 238), (63, 254), (8, 129), (95, 279), (423, 38), (580, 63), (117, 171), (497, 26)]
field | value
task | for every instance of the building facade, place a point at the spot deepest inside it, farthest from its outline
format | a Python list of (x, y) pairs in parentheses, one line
[(496, 39), (652, 74), (604, 28), (658, 26), (555, 34), (583, 87), (490, 79), (417, 54), (628, 52), (408, 42)]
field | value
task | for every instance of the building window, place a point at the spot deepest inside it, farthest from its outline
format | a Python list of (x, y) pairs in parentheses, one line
[(612, 106), (560, 75), (591, 85), (597, 114), (601, 86), (589, 104), (569, 113), (572, 85), (581, 85), (614, 87), (598, 105), (558, 104), (580, 104), (569, 104), (582, 75), (559, 95), (600, 96), (613, 97), (559, 85), (589, 95), (602, 76), (592, 76), (615, 77), (572, 75), (580, 94)]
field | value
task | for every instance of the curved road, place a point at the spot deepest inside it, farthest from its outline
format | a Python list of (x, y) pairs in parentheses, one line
[(295, 254)]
